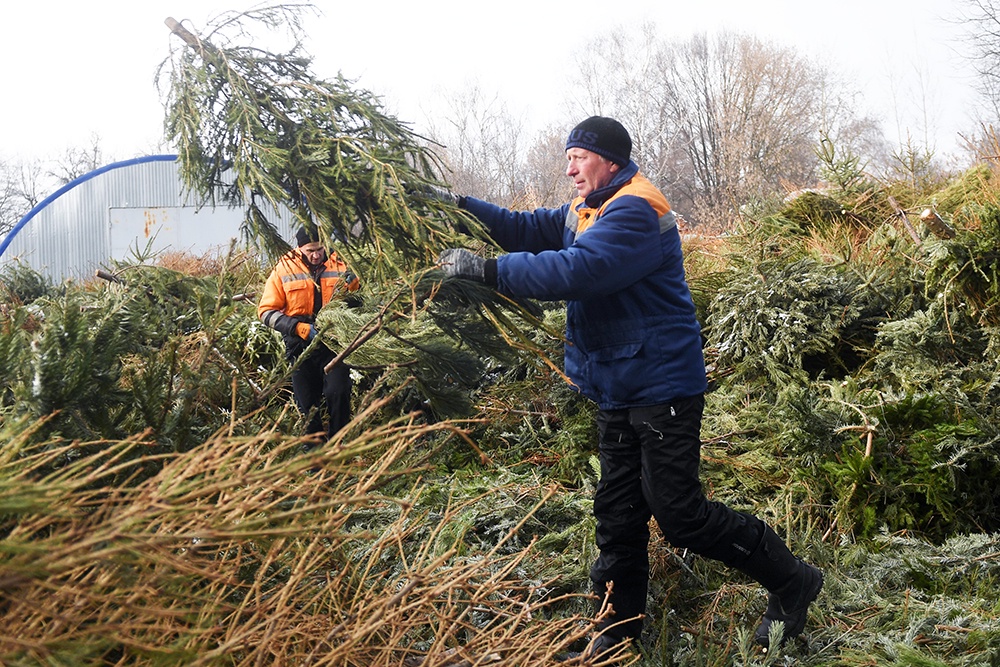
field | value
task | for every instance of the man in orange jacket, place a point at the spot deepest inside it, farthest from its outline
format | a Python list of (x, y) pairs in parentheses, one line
[(301, 283)]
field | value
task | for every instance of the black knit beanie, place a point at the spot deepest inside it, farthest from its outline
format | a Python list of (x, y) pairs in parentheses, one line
[(604, 136), (305, 235)]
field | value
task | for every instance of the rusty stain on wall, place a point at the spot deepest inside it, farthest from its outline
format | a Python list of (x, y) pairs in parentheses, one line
[(150, 221)]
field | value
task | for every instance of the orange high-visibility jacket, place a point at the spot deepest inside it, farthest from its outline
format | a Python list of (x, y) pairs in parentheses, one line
[(293, 295)]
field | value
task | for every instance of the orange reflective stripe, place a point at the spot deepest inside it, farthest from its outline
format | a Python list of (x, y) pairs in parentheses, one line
[(290, 288), (638, 186)]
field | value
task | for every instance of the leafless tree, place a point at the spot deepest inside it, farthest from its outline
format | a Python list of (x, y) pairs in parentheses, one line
[(625, 82), (483, 146), (25, 182), (78, 161), (982, 20), (718, 121), (853, 134), (746, 114), (9, 204), (21, 184), (544, 170)]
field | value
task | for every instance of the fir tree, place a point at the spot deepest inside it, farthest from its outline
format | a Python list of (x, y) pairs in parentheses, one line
[(263, 128)]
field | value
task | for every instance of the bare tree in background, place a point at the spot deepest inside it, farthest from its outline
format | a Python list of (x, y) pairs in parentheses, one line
[(483, 146), (982, 21), (78, 161), (626, 83), (851, 134), (9, 205), (746, 115), (723, 124), (718, 122), (545, 170), (20, 191), (24, 183), (982, 18)]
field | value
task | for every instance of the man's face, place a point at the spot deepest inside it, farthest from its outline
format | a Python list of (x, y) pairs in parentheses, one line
[(314, 252), (588, 170)]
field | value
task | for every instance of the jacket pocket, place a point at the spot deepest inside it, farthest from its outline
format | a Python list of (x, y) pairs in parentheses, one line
[(609, 353), (299, 297)]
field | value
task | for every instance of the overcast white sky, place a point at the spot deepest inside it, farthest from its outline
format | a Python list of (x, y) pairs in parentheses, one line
[(75, 70)]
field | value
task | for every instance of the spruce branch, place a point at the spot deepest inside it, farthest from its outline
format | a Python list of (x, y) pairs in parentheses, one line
[(263, 132), (261, 128)]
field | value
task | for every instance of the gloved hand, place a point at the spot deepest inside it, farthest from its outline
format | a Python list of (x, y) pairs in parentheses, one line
[(462, 263), (303, 330), (313, 332), (446, 196)]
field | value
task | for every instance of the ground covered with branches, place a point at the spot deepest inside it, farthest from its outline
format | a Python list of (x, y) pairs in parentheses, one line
[(157, 509)]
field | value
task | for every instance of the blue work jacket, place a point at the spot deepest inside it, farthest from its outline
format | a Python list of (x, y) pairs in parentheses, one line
[(632, 335)]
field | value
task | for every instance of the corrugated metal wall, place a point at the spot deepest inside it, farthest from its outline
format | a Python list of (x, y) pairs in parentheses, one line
[(71, 236)]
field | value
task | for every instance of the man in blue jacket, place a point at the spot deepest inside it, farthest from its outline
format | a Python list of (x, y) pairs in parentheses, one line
[(633, 345)]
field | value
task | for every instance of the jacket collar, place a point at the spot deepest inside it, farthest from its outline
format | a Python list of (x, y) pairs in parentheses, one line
[(596, 198)]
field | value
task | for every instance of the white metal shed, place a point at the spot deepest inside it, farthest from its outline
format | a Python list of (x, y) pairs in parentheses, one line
[(118, 209)]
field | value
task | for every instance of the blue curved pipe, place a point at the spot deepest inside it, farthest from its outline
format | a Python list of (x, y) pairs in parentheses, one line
[(72, 184)]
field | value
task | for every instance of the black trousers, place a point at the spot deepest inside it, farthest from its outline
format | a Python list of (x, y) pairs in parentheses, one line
[(312, 387), (650, 459)]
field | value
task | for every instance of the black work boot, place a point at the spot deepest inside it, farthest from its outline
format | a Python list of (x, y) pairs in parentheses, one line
[(606, 647), (790, 582), (628, 604)]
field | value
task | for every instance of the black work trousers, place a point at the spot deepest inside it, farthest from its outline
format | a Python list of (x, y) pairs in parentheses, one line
[(650, 460), (312, 386)]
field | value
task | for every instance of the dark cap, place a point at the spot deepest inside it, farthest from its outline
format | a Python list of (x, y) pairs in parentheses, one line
[(306, 235), (604, 136)]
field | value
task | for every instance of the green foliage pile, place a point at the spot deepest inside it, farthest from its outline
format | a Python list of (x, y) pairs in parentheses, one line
[(23, 285), (152, 415), (853, 407), (158, 351), (873, 362)]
